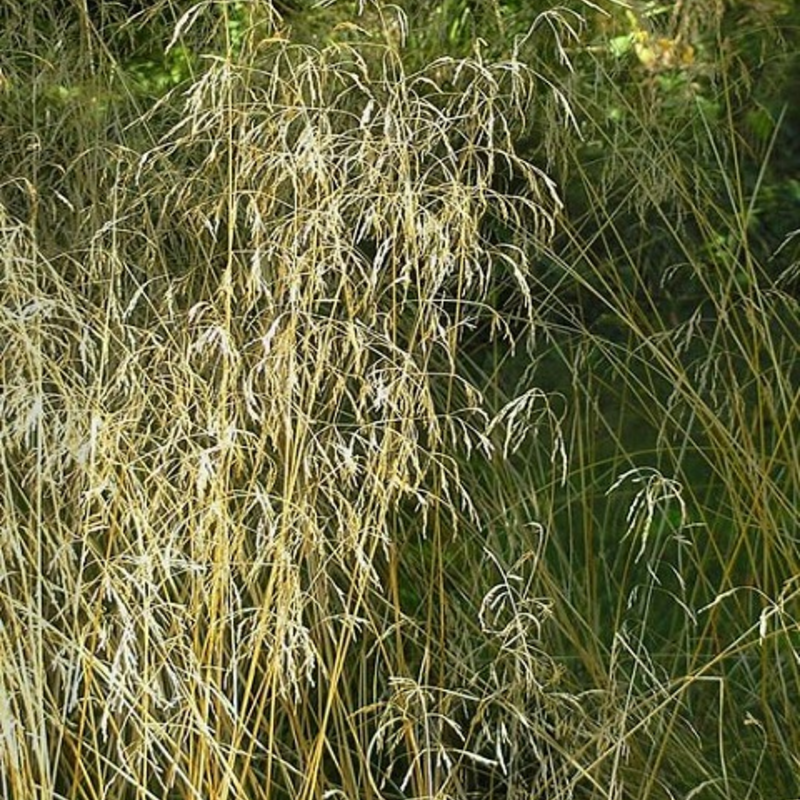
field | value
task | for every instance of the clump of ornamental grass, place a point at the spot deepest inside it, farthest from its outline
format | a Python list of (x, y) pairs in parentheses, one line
[(232, 400), (285, 511)]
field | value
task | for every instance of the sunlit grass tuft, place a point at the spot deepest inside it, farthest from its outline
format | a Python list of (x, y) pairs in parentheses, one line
[(224, 387), (342, 457)]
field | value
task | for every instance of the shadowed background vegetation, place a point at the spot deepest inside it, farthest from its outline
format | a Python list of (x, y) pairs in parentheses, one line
[(399, 401)]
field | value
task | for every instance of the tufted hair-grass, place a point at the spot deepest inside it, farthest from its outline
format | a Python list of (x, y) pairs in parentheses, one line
[(287, 509), (231, 336)]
